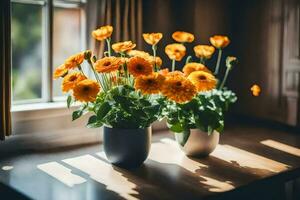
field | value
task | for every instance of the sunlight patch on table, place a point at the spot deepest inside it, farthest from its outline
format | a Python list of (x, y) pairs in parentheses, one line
[(167, 151), (61, 173), (105, 174), (282, 147), (247, 159)]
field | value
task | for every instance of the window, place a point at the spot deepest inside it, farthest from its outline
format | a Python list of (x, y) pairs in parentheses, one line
[(44, 33)]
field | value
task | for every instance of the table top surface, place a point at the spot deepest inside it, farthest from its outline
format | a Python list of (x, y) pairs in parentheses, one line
[(246, 156)]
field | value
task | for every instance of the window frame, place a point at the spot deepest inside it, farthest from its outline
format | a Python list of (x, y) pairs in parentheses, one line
[(47, 44)]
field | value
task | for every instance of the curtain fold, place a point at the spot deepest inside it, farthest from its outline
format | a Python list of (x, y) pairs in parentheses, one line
[(124, 15), (5, 67)]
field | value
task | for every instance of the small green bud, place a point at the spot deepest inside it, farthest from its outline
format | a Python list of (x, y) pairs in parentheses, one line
[(87, 54), (231, 61)]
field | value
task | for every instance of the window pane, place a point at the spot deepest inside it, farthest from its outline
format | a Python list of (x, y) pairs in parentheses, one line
[(26, 25), (67, 38)]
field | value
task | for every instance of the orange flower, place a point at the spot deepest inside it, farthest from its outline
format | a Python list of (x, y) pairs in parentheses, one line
[(219, 41), (139, 53), (152, 38), (181, 36), (138, 66), (147, 56), (204, 51), (255, 90), (60, 71), (157, 61), (175, 74), (150, 84), (71, 80), (107, 64), (175, 51), (191, 67), (122, 47), (164, 72), (102, 33), (203, 81), (74, 61), (86, 90), (178, 89)]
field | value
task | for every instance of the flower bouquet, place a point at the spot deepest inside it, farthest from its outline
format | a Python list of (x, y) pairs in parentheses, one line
[(128, 90), (112, 95), (196, 99)]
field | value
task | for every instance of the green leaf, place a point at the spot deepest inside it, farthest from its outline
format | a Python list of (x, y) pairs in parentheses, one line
[(69, 101), (93, 122), (177, 127), (76, 114), (103, 110), (92, 119), (182, 137)]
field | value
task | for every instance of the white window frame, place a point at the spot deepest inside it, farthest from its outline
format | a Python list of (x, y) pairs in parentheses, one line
[(47, 47)]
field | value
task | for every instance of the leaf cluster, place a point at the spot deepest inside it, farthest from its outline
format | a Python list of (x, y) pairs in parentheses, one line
[(123, 107), (205, 112)]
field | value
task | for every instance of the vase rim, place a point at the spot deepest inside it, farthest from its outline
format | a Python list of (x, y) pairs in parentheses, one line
[(105, 126), (197, 129)]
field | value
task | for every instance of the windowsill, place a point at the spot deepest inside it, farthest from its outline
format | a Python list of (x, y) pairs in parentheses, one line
[(40, 106), (37, 106)]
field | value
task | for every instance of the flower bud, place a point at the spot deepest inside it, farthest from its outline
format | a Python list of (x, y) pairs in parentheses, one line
[(231, 61), (87, 54)]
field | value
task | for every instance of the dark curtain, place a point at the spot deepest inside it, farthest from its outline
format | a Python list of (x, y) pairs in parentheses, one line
[(124, 15), (5, 102)]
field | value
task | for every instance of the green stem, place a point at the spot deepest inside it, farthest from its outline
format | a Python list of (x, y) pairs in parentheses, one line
[(202, 61), (225, 78), (80, 69), (218, 62), (95, 73), (173, 65), (108, 47), (154, 55), (188, 59)]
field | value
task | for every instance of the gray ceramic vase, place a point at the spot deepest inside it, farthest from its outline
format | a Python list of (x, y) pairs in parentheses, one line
[(199, 143), (126, 148)]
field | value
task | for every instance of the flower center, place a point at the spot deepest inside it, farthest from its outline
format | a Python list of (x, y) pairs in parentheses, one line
[(139, 67), (150, 81), (107, 63), (85, 88), (73, 78), (202, 77), (178, 84)]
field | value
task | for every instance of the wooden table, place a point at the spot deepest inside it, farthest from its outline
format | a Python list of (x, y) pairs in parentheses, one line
[(250, 163)]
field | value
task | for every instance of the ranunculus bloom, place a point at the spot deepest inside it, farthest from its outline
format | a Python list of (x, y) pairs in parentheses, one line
[(152, 38), (175, 51), (138, 66), (102, 33), (71, 80), (107, 64), (75, 60), (150, 84), (204, 51), (219, 41), (122, 47), (203, 81), (181, 36), (86, 90), (178, 88), (60, 71), (191, 67)]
